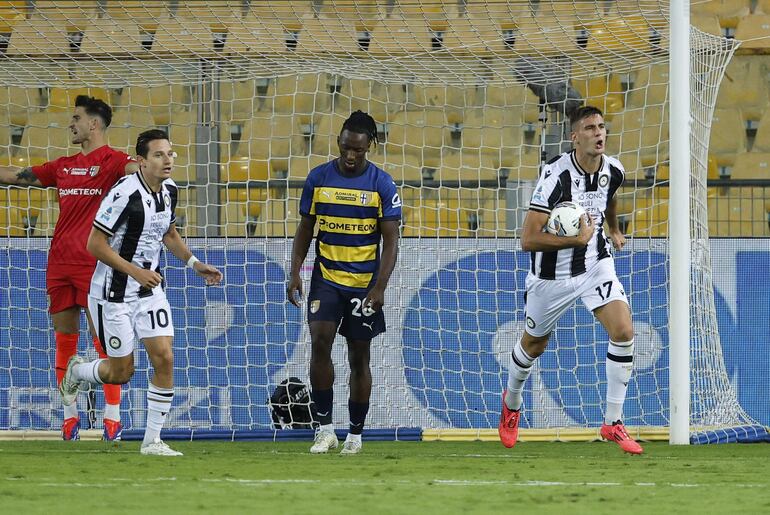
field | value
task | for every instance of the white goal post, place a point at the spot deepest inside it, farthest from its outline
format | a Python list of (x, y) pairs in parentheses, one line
[(470, 99)]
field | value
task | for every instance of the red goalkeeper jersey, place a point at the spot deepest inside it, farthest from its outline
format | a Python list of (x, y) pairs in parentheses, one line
[(81, 182)]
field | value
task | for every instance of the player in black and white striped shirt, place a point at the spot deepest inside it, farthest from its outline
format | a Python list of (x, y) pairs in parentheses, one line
[(564, 269), (127, 299)]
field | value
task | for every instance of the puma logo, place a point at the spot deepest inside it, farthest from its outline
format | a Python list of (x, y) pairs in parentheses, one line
[(367, 325), (325, 413)]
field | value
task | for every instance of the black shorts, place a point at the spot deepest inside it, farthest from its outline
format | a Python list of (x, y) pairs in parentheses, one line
[(327, 303)]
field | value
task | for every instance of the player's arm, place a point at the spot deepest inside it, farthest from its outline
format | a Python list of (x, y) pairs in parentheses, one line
[(174, 242), (99, 246), (299, 247), (613, 228), (535, 239), (376, 296), (18, 176)]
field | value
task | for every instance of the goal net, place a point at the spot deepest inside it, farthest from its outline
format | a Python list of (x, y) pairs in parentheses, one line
[(469, 97)]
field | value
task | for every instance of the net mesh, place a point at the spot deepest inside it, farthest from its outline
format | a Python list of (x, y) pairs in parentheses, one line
[(469, 97)]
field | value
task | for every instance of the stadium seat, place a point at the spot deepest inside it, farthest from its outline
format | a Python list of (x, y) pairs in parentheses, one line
[(729, 12), (217, 16), (10, 13), (328, 34), (301, 95), (61, 99), (37, 36), (143, 13), (239, 100), (164, 101), (641, 131), (111, 36), (603, 91), (745, 88), (47, 136), (617, 33), (650, 217), (5, 137), (181, 131), (182, 36), (650, 87), (753, 31), (326, 128), (377, 99), (300, 166), (762, 138), (752, 165), (706, 22), (72, 16), (274, 137), (243, 169), (256, 33), (398, 35), (542, 34), (728, 136)]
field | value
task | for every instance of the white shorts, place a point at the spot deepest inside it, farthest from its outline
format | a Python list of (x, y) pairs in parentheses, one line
[(118, 324), (547, 300)]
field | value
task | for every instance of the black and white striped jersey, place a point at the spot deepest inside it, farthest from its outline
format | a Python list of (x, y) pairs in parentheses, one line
[(562, 179), (136, 219)]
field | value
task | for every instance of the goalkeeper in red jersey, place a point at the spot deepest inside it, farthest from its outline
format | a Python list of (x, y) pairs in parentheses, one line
[(81, 182)]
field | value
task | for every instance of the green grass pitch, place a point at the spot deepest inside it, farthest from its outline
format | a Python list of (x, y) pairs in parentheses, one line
[(388, 477)]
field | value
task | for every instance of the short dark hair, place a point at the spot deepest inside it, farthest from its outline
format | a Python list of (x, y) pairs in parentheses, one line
[(583, 112), (361, 123), (95, 107), (144, 139)]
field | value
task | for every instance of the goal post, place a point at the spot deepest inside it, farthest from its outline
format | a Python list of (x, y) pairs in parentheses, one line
[(469, 99)]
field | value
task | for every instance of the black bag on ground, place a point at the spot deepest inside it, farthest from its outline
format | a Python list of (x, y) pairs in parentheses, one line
[(291, 406)]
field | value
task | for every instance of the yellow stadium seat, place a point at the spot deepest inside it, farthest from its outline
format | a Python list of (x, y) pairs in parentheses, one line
[(37, 36), (72, 16), (328, 34), (640, 131), (165, 101), (603, 91), (650, 87), (326, 128), (762, 138), (244, 169), (5, 136), (706, 22), (729, 12), (300, 166), (274, 137), (745, 88), (60, 99), (649, 218), (47, 136), (754, 30), (239, 100), (182, 36), (111, 36), (752, 165), (544, 34), (217, 16), (728, 136), (10, 13), (143, 13), (301, 95), (181, 132), (398, 35), (19, 102), (256, 33), (619, 33)]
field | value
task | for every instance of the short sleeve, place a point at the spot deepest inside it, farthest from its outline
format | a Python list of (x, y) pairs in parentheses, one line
[(112, 211), (547, 191), (173, 193), (46, 173), (118, 164), (391, 202), (306, 201)]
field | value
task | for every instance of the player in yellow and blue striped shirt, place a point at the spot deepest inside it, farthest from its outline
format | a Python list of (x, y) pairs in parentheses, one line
[(355, 204)]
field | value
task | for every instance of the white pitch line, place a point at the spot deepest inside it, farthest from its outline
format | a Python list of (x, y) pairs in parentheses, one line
[(51, 482)]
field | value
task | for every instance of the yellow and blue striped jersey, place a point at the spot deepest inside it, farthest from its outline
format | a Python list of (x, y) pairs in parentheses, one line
[(348, 211)]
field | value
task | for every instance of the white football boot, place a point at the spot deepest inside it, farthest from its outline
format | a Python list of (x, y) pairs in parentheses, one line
[(324, 440), (158, 448), (351, 447), (69, 385)]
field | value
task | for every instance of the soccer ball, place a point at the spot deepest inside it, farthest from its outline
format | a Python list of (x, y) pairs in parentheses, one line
[(565, 219)]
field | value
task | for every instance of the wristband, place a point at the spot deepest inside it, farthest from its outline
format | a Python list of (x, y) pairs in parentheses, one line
[(191, 262)]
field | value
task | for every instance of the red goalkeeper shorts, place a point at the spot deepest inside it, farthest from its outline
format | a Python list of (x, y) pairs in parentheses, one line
[(68, 286)]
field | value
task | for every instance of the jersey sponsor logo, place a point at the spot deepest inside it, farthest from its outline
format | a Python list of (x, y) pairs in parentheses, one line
[(347, 196), (93, 170), (115, 342), (315, 306), (538, 197), (324, 224), (88, 192), (603, 180)]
